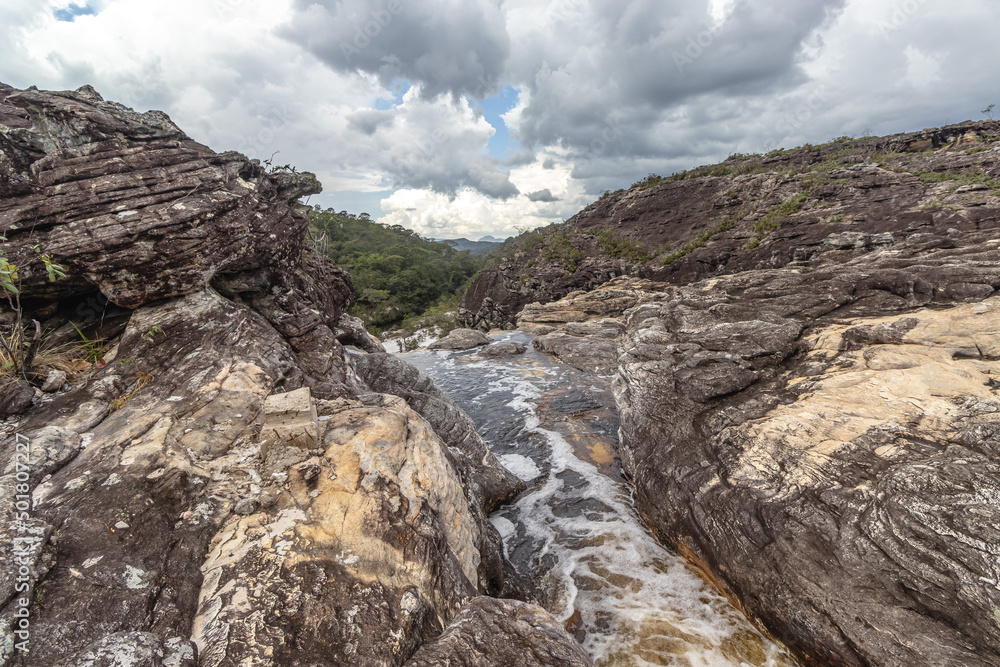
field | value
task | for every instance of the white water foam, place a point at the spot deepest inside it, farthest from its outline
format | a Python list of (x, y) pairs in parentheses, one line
[(638, 604), (578, 533)]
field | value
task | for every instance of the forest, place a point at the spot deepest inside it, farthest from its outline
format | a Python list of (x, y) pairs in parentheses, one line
[(398, 275)]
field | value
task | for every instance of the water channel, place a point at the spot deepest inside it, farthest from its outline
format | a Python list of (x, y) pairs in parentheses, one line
[(627, 598)]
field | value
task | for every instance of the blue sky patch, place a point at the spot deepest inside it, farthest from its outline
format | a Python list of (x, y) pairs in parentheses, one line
[(70, 13), (501, 145), (399, 88)]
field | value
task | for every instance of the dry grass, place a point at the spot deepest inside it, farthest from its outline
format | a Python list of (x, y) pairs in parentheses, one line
[(141, 380), (69, 358)]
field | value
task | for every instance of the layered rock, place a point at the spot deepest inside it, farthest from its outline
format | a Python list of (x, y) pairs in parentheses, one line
[(481, 634), (220, 487), (823, 443), (750, 212)]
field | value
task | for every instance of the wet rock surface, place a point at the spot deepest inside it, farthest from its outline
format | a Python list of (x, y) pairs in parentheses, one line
[(811, 419), (481, 636), (221, 487), (501, 350)]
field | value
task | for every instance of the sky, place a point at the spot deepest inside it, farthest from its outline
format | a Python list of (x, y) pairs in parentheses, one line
[(465, 118)]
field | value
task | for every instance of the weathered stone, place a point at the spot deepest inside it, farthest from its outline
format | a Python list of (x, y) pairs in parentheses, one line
[(179, 216), (461, 339), (803, 455), (54, 381), (291, 419), (499, 633), (487, 483), (16, 396), (246, 507), (500, 350), (493, 484), (351, 331), (703, 226), (358, 573)]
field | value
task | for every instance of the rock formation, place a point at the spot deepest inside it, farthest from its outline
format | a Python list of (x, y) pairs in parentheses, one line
[(809, 408), (219, 485), (750, 212)]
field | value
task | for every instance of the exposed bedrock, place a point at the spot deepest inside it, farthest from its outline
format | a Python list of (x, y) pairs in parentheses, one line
[(825, 445), (219, 486)]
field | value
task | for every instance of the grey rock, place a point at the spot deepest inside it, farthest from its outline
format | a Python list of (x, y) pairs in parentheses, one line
[(54, 381), (461, 339), (500, 350), (500, 633), (246, 507), (16, 396)]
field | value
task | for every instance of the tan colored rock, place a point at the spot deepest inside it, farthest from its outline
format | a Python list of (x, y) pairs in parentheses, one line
[(373, 551), (291, 419)]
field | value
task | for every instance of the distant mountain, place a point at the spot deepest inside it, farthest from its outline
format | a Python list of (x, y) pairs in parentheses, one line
[(490, 239), (481, 247)]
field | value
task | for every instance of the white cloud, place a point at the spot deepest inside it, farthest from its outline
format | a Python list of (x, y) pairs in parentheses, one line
[(602, 100)]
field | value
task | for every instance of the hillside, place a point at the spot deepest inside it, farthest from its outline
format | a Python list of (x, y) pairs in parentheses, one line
[(397, 273), (750, 212)]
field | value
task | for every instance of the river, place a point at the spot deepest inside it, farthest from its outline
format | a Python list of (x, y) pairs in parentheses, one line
[(575, 531)]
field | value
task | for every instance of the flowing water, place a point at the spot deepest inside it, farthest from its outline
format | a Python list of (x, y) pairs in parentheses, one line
[(628, 599)]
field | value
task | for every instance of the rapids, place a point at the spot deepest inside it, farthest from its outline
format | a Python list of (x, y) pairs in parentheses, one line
[(575, 531)]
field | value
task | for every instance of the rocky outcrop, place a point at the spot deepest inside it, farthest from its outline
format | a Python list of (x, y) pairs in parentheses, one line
[(502, 350), (217, 485), (750, 212), (822, 442)]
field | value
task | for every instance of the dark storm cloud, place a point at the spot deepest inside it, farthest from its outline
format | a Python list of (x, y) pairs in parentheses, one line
[(446, 46), (638, 61), (545, 196), (368, 121)]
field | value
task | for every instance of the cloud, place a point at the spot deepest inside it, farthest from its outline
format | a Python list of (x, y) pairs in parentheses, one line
[(542, 196), (457, 47), (606, 92)]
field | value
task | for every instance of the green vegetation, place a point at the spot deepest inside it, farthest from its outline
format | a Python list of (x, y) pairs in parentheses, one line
[(771, 221), (19, 354), (620, 247), (702, 239), (960, 178), (397, 274), (559, 248)]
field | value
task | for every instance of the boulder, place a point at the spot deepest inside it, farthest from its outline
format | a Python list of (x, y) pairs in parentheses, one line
[(356, 564), (461, 339), (16, 396), (222, 487), (54, 381), (823, 444), (180, 215), (488, 484), (501, 350)]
